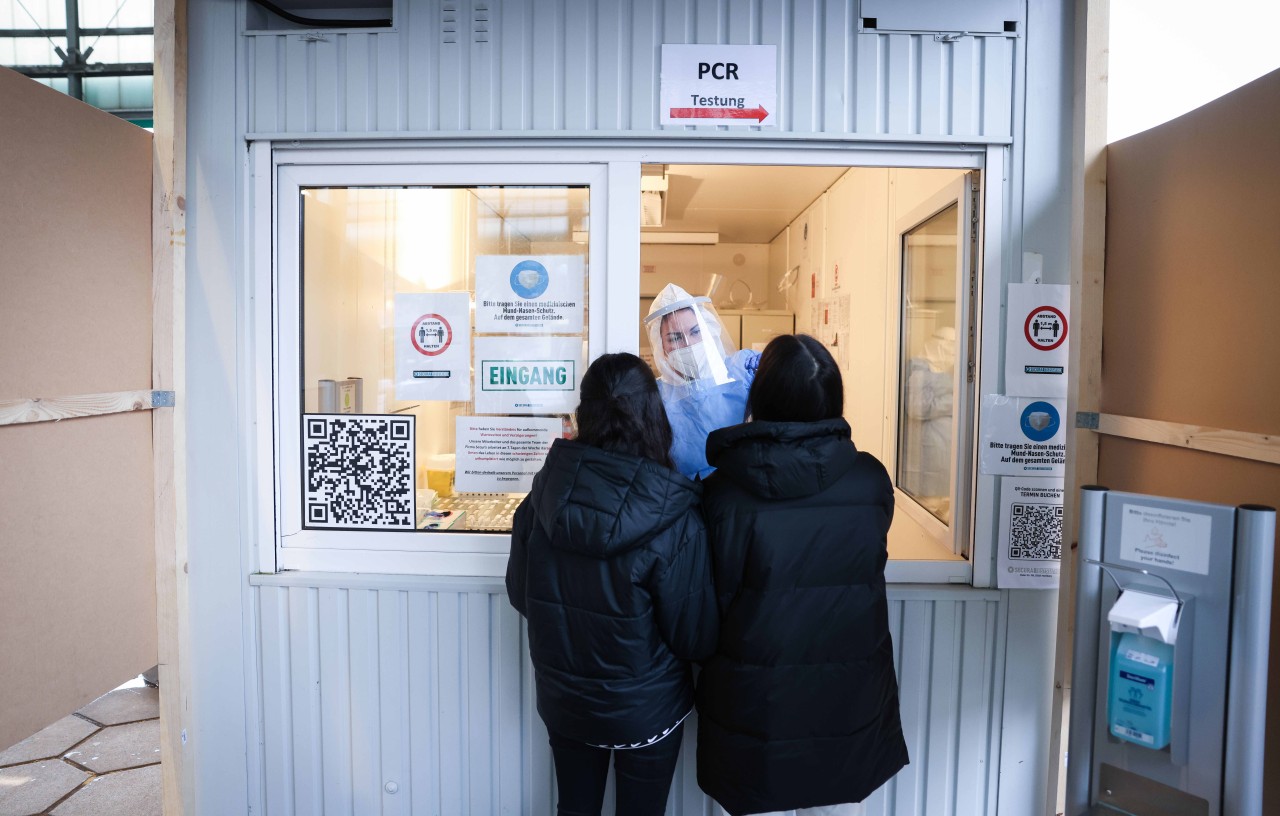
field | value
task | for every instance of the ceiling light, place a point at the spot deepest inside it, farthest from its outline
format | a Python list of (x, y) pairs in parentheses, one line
[(679, 237), (653, 177)]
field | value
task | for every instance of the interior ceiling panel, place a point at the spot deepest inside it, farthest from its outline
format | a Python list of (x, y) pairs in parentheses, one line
[(745, 204)]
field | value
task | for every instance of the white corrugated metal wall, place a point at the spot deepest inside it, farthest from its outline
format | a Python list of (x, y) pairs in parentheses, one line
[(355, 682), (408, 696), (581, 66)]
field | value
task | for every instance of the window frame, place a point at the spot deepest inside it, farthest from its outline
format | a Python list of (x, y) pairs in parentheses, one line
[(957, 536), (444, 553), (616, 240)]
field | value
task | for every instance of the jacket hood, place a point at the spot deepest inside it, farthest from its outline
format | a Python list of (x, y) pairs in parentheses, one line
[(601, 504), (783, 460)]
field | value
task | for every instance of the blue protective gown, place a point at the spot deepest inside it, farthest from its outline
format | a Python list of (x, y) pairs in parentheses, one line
[(695, 411)]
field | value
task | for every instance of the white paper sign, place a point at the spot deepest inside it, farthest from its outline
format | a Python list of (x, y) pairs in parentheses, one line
[(502, 454), (1156, 537), (1030, 548), (719, 85), (1022, 437), (528, 375), (516, 294), (433, 346), (1036, 340)]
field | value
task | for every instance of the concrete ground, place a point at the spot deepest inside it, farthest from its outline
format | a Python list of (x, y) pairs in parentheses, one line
[(103, 759)]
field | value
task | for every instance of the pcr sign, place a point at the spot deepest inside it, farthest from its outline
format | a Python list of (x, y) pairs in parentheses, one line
[(719, 84)]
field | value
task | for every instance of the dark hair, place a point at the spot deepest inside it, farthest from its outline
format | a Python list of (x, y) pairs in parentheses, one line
[(620, 409), (797, 381)]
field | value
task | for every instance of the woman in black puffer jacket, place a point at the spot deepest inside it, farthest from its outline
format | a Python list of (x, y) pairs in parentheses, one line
[(799, 706), (609, 564)]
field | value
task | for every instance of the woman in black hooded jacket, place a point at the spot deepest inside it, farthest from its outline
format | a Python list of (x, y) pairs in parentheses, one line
[(609, 564), (799, 706)]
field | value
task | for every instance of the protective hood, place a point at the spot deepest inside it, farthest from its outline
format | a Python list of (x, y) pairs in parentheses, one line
[(695, 346), (601, 504), (783, 460)]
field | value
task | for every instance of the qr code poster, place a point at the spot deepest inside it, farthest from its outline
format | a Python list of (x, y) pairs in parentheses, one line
[(358, 471), (1030, 538)]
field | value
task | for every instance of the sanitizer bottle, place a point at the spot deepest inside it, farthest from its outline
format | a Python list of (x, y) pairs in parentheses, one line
[(1140, 700)]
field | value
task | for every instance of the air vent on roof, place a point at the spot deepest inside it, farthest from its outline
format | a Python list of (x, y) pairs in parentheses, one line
[(449, 23), (999, 18)]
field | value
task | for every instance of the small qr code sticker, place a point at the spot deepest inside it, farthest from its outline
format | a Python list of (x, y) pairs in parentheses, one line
[(1035, 532), (359, 471)]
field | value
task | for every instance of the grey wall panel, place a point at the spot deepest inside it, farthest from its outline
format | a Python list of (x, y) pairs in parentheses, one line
[(838, 39), (330, 84), (935, 75), (383, 701), (387, 701), (578, 66), (336, 720), (638, 82), (419, 67), (390, 86), (996, 84), (580, 62), (273, 640), (299, 82), (946, 665)]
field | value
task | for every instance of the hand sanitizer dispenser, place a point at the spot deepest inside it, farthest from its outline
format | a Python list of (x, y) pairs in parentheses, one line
[(1140, 695)]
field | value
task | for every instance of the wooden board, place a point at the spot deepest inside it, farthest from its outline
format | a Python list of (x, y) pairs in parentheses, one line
[(19, 411), (1257, 447), (169, 234)]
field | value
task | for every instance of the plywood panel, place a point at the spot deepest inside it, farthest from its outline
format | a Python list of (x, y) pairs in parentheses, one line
[(1191, 292), (72, 320), (77, 581), (77, 558)]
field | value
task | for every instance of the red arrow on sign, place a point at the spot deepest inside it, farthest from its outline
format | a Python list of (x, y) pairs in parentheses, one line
[(757, 113)]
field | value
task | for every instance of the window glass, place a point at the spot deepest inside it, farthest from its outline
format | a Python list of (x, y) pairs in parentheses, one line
[(931, 266), (443, 340)]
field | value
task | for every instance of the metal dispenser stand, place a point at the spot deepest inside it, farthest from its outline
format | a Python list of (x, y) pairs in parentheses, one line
[(1198, 581)]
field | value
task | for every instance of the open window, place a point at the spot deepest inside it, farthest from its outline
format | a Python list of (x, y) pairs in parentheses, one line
[(931, 468), (878, 264)]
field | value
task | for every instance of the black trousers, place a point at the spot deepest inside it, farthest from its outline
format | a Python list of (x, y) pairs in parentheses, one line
[(642, 776)]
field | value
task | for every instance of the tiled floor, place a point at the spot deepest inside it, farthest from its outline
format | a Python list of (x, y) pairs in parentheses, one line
[(104, 759)]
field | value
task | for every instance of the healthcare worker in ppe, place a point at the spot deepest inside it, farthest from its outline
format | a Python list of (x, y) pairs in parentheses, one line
[(703, 383)]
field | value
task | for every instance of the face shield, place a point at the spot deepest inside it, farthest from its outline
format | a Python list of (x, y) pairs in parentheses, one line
[(687, 338)]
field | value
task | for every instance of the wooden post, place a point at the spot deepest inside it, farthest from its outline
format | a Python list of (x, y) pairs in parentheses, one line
[(1088, 255), (168, 225)]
